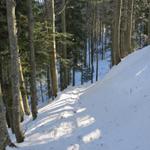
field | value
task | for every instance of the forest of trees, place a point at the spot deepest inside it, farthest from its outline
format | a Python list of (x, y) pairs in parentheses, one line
[(53, 39)]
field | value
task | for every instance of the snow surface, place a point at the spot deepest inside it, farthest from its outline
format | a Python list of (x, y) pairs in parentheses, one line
[(113, 114)]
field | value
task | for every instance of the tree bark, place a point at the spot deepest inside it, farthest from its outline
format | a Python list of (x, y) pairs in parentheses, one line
[(34, 98), (116, 32), (12, 31), (129, 25), (4, 137), (64, 50), (49, 82), (7, 92), (50, 9), (123, 30), (23, 91)]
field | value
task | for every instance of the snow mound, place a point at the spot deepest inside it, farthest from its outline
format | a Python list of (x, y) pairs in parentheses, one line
[(113, 114)]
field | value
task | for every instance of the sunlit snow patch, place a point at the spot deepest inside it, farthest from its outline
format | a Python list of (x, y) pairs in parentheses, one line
[(85, 121), (92, 136)]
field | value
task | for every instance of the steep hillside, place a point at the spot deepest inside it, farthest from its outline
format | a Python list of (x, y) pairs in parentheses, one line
[(121, 104), (113, 114)]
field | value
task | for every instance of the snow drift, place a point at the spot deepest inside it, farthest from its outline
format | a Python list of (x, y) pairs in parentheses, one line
[(113, 114)]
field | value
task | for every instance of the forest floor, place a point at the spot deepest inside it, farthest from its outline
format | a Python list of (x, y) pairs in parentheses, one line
[(112, 114)]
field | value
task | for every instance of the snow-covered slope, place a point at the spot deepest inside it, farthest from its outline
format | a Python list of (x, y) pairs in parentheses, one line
[(121, 104), (113, 114)]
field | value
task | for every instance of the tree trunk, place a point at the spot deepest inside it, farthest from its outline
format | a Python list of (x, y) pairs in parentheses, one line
[(7, 93), (12, 31), (73, 76), (123, 30), (34, 98), (50, 11), (49, 82), (64, 50), (23, 91), (53, 54), (92, 44), (4, 137), (41, 90), (102, 40), (116, 32), (129, 26), (92, 58)]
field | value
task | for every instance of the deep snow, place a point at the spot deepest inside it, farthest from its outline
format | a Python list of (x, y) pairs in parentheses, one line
[(113, 114)]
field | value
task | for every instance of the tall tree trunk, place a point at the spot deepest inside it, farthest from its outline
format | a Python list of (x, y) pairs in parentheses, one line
[(102, 40), (129, 25), (116, 32), (12, 31), (92, 43), (64, 50), (4, 137), (53, 53), (123, 30), (50, 12), (96, 38), (34, 98)]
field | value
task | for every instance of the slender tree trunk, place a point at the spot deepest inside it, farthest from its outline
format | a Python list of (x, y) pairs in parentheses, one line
[(53, 53), (97, 65), (92, 44), (105, 40), (49, 82), (96, 38), (34, 98), (23, 91), (73, 76), (85, 53), (89, 52), (129, 26), (12, 31), (123, 30), (116, 32), (41, 89), (92, 58), (102, 40), (64, 50)]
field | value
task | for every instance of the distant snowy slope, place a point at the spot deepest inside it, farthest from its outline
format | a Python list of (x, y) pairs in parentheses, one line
[(113, 114)]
